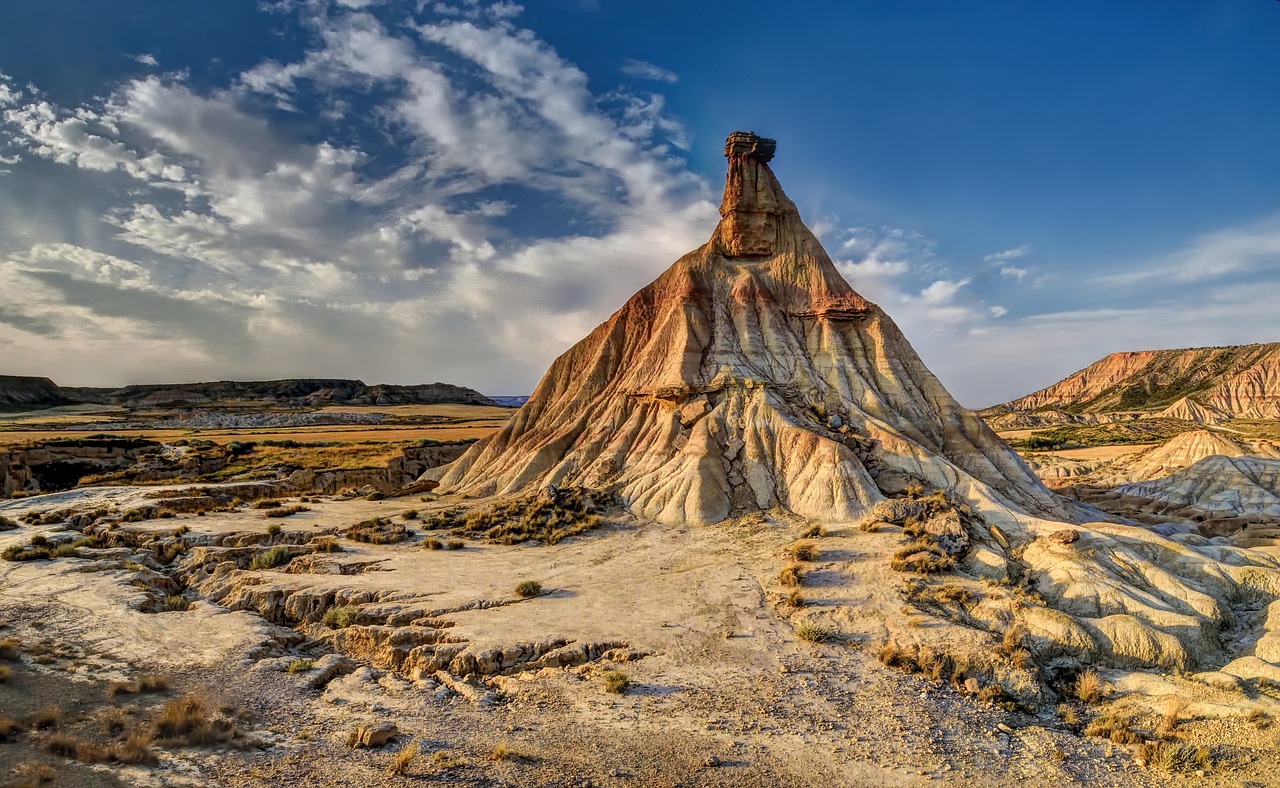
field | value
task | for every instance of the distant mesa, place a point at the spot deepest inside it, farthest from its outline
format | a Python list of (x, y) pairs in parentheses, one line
[(746, 377), (19, 393)]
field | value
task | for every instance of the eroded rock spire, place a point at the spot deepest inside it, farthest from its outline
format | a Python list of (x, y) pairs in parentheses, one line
[(753, 203)]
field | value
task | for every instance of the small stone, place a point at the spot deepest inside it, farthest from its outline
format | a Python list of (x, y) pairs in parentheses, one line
[(972, 686), (1065, 536), (1004, 728), (376, 735)]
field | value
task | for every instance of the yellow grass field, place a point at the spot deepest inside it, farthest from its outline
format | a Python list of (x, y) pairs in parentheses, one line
[(1103, 452)]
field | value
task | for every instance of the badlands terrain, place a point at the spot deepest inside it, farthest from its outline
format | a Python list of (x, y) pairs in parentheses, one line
[(739, 535)]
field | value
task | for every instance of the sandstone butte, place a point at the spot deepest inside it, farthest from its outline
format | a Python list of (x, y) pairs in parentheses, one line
[(748, 376)]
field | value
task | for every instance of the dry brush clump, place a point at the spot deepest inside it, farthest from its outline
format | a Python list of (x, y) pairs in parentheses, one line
[(1174, 757), (272, 557), (547, 518), (378, 530), (287, 511), (922, 555), (803, 551), (340, 616), (815, 632), (616, 682), (792, 576), (528, 588), (401, 761)]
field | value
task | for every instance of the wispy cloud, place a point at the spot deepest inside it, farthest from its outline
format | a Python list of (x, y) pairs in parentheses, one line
[(644, 70), (1014, 271), (1249, 248), (146, 60), (1008, 254)]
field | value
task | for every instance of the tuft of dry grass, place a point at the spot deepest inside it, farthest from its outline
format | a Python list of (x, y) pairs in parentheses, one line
[(803, 551), (1088, 687), (1174, 708), (9, 728), (505, 752), (813, 532), (271, 558), (1174, 757), (1115, 726), (287, 511), (46, 718), (796, 599), (6, 673), (814, 633), (190, 720), (379, 530), (1068, 714), (326, 544), (528, 588), (31, 774), (616, 682), (10, 648), (1259, 718), (432, 544), (402, 760), (792, 576)]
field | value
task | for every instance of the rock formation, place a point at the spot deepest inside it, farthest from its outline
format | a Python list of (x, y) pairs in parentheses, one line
[(19, 393), (1205, 385), (1221, 486), (749, 375)]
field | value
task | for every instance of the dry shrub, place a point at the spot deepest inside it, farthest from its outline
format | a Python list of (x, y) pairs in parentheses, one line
[(547, 518), (813, 531), (300, 665), (402, 760), (505, 752), (190, 720), (10, 648), (47, 717), (9, 728), (872, 526), (796, 599), (814, 633), (432, 544), (923, 556), (6, 673), (1259, 718), (340, 616), (616, 682), (379, 530), (288, 511), (792, 576), (136, 748), (803, 551), (31, 774), (326, 544), (1088, 687), (1068, 714), (1115, 726), (1174, 757), (528, 588), (267, 503), (77, 748), (1172, 714), (271, 558), (446, 759)]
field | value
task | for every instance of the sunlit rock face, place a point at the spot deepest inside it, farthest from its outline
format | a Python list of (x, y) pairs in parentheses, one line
[(749, 376)]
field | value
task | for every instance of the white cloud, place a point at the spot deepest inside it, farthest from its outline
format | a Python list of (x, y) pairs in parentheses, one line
[(643, 70), (146, 60), (998, 311), (1014, 271), (941, 292), (1234, 250), (1008, 254)]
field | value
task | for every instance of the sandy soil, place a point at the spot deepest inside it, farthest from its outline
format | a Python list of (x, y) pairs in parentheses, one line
[(1102, 452)]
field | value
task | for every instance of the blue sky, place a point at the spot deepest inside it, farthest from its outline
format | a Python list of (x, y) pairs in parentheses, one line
[(458, 191)]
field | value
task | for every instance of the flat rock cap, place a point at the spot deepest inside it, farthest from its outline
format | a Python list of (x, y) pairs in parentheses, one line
[(750, 144)]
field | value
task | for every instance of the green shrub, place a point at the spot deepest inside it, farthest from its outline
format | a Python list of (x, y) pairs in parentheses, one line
[(271, 558), (300, 665), (339, 616)]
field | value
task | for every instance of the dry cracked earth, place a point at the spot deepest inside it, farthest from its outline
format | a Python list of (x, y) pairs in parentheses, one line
[(279, 659)]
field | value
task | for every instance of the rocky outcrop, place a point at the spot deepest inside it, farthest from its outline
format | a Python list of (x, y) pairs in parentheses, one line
[(749, 375), (1205, 385), (1218, 485), (60, 465)]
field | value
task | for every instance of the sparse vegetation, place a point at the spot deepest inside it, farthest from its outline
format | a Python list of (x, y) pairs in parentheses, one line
[(814, 632), (31, 552), (300, 665), (10, 648), (411, 514), (616, 682), (803, 551), (6, 673), (1116, 726), (432, 544), (792, 576), (546, 518), (287, 511), (446, 759), (813, 532), (271, 558), (175, 603), (151, 682), (46, 718), (379, 530), (923, 555), (528, 588), (189, 720), (402, 760), (1088, 687), (796, 599), (267, 503), (326, 544), (505, 752), (339, 616), (1174, 757), (8, 525)]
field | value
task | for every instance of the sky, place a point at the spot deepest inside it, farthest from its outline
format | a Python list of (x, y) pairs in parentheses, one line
[(410, 191)]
